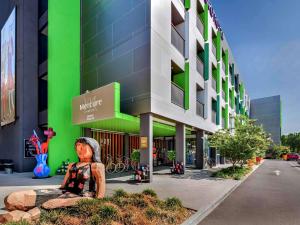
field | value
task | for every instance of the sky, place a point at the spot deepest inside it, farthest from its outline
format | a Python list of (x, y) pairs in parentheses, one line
[(264, 37)]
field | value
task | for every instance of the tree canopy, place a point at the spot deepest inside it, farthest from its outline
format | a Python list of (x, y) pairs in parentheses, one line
[(246, 141), (292, 141)]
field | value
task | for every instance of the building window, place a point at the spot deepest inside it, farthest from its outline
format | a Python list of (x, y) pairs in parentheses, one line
[(200, 97), (177, 31)]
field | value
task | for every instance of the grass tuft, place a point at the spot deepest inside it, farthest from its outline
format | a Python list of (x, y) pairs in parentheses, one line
[(120, 193), (229, 173), (150, 192), (173, 203)]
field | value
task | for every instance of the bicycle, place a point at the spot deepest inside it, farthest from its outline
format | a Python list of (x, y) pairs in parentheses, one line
[(119, 166), (208, 162), (110, 167)]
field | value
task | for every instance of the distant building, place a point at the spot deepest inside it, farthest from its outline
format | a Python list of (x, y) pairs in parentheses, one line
[(267, 112)]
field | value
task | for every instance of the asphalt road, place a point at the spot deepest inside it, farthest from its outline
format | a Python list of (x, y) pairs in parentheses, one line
[(263, 199)]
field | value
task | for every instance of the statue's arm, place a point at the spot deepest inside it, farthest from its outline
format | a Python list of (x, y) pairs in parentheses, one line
[(98, 171), (66, 176)]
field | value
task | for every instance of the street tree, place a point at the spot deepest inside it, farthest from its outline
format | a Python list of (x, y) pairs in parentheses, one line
[(246, 141)]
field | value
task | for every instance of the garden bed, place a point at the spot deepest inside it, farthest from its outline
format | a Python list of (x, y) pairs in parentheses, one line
[(121, 208), (229, 173)]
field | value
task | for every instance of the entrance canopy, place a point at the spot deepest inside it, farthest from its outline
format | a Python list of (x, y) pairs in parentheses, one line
[(100, 109)]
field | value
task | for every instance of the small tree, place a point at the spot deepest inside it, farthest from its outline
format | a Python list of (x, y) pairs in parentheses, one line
[(247, 141), (172, 156), (135, 157)]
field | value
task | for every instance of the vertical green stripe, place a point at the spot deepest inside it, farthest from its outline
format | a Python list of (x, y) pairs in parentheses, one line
[(206, 61), (219, 47), (226, 89), (117, 97), (206, 25), (187, 86), (218, 110), (218, 78), (187, 4), (226, 62), (226, 116), (63, 77)]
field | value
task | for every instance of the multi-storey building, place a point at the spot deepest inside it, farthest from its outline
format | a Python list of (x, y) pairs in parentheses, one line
[(267, 112), (157, 72)]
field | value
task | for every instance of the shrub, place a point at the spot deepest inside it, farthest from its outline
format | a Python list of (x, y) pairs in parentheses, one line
[(151, 213), (119, 193), (108, 212), (149, 192), (236, 173), (88, 207), (173, 203), (22, 222)]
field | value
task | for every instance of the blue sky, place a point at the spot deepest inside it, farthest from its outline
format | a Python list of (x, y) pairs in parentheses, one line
[(264, 37)]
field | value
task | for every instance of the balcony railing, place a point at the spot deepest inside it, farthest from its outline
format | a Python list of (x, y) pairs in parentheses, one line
[(213, 117), (177, 40), (223, 95), (214, 50), (200, 66), (200, 108), (214, 84), (177, 95), (223, 67), (200, 25)]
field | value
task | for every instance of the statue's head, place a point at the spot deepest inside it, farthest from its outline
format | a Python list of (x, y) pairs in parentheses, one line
[(87, 149)]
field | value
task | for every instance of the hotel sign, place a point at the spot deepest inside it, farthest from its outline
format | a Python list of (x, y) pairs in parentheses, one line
[(214, 17), (95, 105)]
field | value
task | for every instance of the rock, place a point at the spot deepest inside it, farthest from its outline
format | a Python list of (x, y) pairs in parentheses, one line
[(3, 213), (34, 213), (62, 202), (17, 215), (20, 200)]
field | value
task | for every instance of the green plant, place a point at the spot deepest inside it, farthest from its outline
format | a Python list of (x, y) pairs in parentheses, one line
[(172, 156), (247, 141), (22, 222), (51, 216), (119, 193), (108, 212), (173, 203), (135, 156), (149, 192), (151, 213), (236, 173)]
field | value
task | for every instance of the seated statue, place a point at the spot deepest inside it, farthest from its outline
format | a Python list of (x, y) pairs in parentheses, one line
[(84, 179)]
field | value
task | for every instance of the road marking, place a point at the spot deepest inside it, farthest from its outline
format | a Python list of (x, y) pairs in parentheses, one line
[(295, 165), (277, 172)]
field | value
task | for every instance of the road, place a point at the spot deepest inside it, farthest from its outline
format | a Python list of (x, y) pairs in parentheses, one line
[(263, 199)]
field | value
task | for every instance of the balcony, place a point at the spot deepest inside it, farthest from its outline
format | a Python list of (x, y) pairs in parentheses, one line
[(223, 95), (214, 116), (214, 50), (177, 95), (200, 25), (177, 40), (214, 84), (199, 108), (200, 66)]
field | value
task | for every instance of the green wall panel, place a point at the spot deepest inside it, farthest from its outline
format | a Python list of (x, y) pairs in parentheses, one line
[(226, 116), (219, 47), (187, 4), (226, 61), (218, 78), (206, 61), (227, 89), (206, 26), (218, 110), (63, 77), (179, 79), (187, 86)]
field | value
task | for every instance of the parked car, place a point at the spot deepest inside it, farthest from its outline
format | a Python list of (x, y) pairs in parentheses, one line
[(298, 160), (292, 156)]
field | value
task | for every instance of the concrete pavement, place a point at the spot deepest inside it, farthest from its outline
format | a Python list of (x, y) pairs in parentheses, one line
[(196, 188), (263, 199)]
